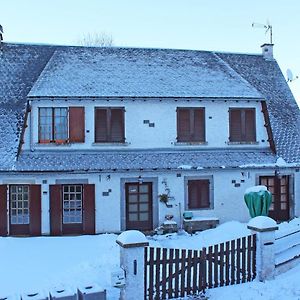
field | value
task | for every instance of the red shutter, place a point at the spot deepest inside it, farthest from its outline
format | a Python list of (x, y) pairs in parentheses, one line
[(117, 125), (55, 209), (35, 210), (76, 124), (101, 125), (183, 125), (3, 210), (235, 122), (199, 125), (89, 208), (250, 128)]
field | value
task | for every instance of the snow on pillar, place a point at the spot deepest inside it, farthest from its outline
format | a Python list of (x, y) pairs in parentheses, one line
[(265, 228), (132, 243)]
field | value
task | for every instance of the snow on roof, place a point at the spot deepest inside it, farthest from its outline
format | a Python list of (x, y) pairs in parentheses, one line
[(137, 72)]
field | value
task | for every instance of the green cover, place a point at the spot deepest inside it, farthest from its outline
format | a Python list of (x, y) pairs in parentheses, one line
[(258, 203)]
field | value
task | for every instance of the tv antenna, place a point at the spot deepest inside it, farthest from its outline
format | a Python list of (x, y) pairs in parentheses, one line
[(290, 76), (268, 28)]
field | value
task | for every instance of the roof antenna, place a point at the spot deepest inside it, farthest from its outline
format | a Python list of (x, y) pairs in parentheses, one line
[(290, 76), (1, 33), (267, 26)]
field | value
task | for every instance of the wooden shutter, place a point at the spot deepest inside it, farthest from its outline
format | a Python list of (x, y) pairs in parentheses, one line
[(101, 125), (89, 208), (198, 194), (3, 210), (250, 128), (56, 209), (35, 209), (199, 125), (235, 123), (76, 124), (183, 125), (117, 125)]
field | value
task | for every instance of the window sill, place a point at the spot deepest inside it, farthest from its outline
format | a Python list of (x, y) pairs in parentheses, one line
[(190, 143), (53, 144), (105, 144), (242, 143)]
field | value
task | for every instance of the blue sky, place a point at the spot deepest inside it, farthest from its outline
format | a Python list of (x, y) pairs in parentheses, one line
[(185, 24)]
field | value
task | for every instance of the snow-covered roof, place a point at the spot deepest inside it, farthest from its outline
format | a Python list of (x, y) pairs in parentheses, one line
[(43, 70), (137, 72), (139, 160)]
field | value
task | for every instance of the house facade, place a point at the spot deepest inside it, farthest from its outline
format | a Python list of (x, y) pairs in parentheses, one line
[(107, 139)]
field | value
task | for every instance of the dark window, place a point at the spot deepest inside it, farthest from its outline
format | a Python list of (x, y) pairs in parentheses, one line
[(109, 125), (242, 125), (198, 194), (190, 125), (53, 125)]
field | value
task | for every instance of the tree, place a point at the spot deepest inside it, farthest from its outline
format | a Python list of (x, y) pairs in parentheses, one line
[(101, 39)]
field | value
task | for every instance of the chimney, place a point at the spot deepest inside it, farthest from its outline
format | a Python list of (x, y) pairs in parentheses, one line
[(267, 51)]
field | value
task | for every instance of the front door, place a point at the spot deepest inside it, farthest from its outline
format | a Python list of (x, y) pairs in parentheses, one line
[(139, 206), (279, 187)]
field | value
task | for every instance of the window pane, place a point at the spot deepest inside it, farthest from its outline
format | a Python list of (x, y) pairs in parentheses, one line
[(45, 124), (72, 204), (60, 124), (19, 204)]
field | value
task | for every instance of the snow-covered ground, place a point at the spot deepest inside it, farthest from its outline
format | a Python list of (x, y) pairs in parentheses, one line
[(42, 263)]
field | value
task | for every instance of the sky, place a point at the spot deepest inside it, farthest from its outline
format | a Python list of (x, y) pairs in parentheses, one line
[(183, 24)]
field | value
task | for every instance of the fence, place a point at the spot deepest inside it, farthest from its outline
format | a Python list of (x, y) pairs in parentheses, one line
[(173, 273)]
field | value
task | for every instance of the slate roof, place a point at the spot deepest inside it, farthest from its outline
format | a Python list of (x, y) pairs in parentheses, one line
[(76, 71), (115, 72), (20, 65), (140, 160)]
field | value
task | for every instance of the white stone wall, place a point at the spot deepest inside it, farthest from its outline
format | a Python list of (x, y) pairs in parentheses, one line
[(161, 113), (228, 200)]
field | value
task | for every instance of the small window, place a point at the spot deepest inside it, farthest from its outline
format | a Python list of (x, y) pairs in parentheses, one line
[(198, 194), (242, 125), (19, 204), (72, 204), (109, 125), (53, 125), (190, 125)]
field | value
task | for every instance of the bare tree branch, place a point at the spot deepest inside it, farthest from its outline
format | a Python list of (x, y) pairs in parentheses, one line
[(101, 39)]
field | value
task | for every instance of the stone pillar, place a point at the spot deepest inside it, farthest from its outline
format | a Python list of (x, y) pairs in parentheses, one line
[(132, 243), (265, 228)]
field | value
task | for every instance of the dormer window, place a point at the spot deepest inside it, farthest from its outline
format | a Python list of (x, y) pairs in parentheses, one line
[(190, 124), (242, 125), (61, 125)]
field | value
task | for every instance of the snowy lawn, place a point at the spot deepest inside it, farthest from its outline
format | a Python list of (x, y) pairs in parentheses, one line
[(42, 263)]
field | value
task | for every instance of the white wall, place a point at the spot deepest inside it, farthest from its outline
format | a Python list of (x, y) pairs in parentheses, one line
[(163, 114), (228, 200)]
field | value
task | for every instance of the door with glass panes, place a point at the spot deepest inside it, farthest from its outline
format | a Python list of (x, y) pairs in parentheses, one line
[(279, 187), (139, 213)]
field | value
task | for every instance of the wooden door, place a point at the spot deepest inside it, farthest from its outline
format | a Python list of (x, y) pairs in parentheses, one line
[(139, 213), (279, 187)]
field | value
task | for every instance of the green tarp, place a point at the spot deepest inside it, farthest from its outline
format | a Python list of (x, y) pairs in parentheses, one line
[(258, 203)]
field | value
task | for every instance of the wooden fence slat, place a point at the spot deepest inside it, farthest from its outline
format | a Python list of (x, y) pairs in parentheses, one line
[(204, 269), (170, 274), (254, 256), (195, 271), (157, 274), (232, 262), (210, 267), (177, 261), (182, 273), (151, 273), (145, 272), (227, 251), (189, 272), (222, 264), (215, 259), (243, 259), (164, 273), (249, 258), (238, 261)]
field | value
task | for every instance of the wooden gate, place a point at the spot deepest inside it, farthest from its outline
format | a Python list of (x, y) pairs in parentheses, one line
[(174, 273)]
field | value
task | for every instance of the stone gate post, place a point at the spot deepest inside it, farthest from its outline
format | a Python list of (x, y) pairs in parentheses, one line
[(265, 228), (132, 243)]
